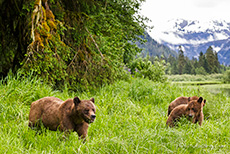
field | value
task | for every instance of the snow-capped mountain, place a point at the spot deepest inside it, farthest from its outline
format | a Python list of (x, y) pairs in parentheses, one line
[(195, 36)]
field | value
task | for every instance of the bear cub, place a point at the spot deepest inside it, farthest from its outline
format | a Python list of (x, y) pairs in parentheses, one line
[(179, 101), (191, 110), (70, 115)]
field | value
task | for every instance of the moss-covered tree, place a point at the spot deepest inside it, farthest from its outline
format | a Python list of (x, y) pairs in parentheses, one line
[(80, 42)]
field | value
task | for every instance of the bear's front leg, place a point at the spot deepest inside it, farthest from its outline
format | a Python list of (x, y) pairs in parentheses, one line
[(66, 126), (199, 118), (170, 122), (82, 130)]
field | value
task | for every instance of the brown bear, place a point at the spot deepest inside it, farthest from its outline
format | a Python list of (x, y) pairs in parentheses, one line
[(201, 117), (70, 115), (192, 110), (179, 101)]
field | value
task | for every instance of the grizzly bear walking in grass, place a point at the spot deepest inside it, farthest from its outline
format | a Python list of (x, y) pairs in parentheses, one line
[(70, 115), (191, 110)]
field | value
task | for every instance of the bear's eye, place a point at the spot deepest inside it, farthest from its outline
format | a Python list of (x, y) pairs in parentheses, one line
[(93, 110), (86, 111)]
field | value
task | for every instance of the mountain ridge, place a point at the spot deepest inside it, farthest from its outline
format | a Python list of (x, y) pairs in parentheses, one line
[(196, 36), (153, 48)]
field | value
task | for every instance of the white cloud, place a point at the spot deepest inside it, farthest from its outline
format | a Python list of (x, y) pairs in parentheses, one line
[(209, 3), (163, 10), (217, 49)]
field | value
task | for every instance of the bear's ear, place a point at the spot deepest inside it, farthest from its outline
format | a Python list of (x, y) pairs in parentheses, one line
[(92, 99), (204, 102), (200, 100), (76, 100), (189, 99)]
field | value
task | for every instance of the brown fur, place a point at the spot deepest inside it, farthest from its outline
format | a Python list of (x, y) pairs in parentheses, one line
[(179, 101), (201, 117), (193, 110), (70, 115)]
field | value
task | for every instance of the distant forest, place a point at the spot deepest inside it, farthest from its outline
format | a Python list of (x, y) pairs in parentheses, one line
[(176, 62), (206, 63)]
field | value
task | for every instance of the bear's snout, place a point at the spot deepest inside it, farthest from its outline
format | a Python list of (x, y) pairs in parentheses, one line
[(190, 115), (93, 116)]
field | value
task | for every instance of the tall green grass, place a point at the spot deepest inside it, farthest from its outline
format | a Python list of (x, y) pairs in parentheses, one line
[(131, 117)]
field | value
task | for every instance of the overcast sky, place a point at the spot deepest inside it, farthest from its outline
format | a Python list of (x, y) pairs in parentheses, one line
[(160, 11)]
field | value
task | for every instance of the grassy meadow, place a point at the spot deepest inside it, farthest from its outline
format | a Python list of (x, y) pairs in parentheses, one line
[(187, 79), (131, 118)]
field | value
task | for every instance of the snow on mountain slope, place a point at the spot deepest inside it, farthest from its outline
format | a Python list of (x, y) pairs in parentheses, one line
[(196, 36)]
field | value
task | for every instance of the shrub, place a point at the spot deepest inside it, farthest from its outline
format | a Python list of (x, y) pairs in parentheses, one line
[(200, 70), (143, 67), (226, 77)]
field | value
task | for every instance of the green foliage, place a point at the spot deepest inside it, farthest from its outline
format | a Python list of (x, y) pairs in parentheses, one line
[(84, 44), (207, 64), (172, 67), (188, 67), (181, 60), (143, 67), (15, 39), (131, 118), (200, 70), (212, 61), (188, 77), (226, 77)]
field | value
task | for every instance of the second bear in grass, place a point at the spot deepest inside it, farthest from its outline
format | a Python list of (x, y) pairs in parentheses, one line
[(70, 115), (179, 101), (192, 110)]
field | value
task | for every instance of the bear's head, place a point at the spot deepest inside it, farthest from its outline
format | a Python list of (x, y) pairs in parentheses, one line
[(192, 98), (86, 109), (196, 98), (194, 107)]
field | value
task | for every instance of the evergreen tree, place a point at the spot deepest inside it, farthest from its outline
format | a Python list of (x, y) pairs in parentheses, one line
[(193, 70), (174, 68), (201, 60), (171, 59), (173, 64), (206, 66), (217, 63), (212, 60), (188, 67), (195, 63), (201, 71), (206, 63), (181, 60)]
